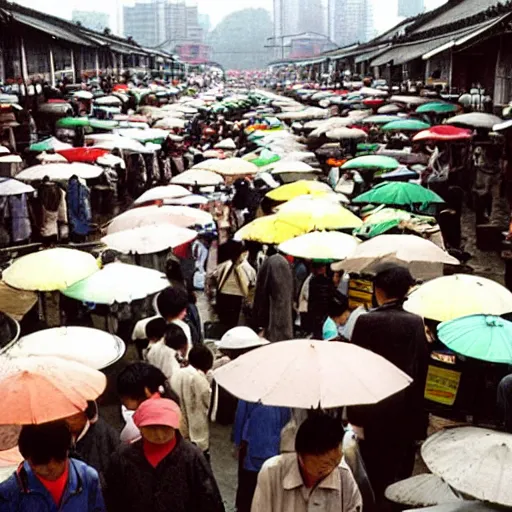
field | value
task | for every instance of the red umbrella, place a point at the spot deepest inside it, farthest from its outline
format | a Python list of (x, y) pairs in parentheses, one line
[(444, 132), (373, 102), (85, 155)]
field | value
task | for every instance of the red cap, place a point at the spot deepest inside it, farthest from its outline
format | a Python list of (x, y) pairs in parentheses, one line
[(158, 411)]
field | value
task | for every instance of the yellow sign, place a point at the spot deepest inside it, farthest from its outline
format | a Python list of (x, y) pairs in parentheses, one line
[(442, 385)]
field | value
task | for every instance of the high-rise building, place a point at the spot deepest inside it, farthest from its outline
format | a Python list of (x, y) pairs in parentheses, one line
[(409, 8), (311, 17), (94, 20), (350, 21)]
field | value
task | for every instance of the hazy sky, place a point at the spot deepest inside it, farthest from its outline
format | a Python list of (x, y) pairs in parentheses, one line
[(217, 9)]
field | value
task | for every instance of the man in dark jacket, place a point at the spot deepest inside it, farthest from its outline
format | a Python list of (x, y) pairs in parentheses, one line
[(321, 294), (392, 426), (162, 472)]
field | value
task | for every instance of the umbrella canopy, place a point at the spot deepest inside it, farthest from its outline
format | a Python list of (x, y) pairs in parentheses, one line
[(269, 230), (403, 173), (226, 144), (50, 144), (444, 132), (309, 374), (437, 108), (149, 135), (87, 155), (12, 187), (60, 172), (110, 101), (50, 270), (451, 297), (474, 461), (161, 193), (149, 239), (181, 216), (112, 142), (92, 347), (409, 250), (118, 283), (380, 119), (460, 506), (299, 188), (285, 167), (392, 108), (73, 122), (198, 177), (51, 158), (228, 167), (321, 245), (399, 194), (373, 162), (346, 134), (484, 337), (421, 491), (42, 389), (406, 125), (476, 120)]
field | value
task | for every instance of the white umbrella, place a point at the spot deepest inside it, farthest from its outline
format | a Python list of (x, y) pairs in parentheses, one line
[(51, 158), (309, 374), (122, 143), (192, 200), (198, 177), (111, 101), (162, 193), (474, 461), (4, 150), (290, 167), (476, 120), (144, 135), (12, 187), (60, 172), (109, 160), (460, 506), (346, 134), (149, 239), (92, 347), (226, 144), (228, 167), (169, 123), (83, 95)]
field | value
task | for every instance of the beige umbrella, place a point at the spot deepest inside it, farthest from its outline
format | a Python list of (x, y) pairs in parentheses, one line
[(346, 134), (228, 167), (161, 193), (290, 167), (474, 461), (421, 491), (198, 177), (309, 373), (460, 506)]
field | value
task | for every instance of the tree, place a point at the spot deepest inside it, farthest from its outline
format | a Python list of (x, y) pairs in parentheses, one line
[(238, 41)]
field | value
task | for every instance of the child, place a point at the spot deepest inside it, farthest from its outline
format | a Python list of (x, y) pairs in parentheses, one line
[(155, 332), (338, 315), (193, 388)]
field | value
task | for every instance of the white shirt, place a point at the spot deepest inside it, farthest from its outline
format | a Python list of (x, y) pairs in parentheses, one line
[(163, 357), (281, 489), (139, 331)]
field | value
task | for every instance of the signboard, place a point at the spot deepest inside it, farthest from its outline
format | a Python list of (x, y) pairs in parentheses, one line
[(442, 385)]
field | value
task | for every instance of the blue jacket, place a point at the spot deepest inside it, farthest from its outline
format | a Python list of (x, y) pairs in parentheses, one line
[(23, 492)]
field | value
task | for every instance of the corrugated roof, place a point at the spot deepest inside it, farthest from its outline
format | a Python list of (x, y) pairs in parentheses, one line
[(371, 54)]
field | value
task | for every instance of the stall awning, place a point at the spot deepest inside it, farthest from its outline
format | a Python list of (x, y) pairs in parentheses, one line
[(311, 62), (369, 55)]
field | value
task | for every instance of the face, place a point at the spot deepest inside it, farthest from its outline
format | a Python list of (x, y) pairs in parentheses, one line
[(158, 434), (76, 423), (343, 318), (51, 471), (318, 467), (132, 404)]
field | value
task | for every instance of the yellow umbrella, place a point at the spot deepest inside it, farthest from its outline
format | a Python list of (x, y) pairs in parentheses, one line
[(50, 270), (450, 297), (317, 214), (269, 230), (299, 188)]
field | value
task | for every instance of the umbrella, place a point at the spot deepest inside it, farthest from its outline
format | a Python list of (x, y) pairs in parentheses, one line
[(191, 200), (321, 245), (92, 347), (269, 230), (112, 142), (83, 95), (476, 120), (60, 172), (228, 167), (309, 374), (484, 337), (108, 101), (198, 177), (451, 297), (50, 270), (50, 144), (403, 173), (409, 250), (437, 108), (410, 100), (399, 194), (421, 491), (12, 187), (291, 167), (406, 125), (460, 506), (390, 109), (51, 158), (299, 188), (381, 119), (444, 132), (474, 461), (4, 151), (374, 162), (73, 122), (161, 193), (226, 144), (88, 155), (149, 239), (346, 134), (182, 216), (41, 389), (169, 123), (118, 283), (149, 135), (505, 125)]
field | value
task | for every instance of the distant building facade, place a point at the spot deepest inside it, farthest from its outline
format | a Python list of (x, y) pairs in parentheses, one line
[(350, 21), (94, 20), (410, 8)]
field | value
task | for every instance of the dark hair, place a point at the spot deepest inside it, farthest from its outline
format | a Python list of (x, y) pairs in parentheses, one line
[(46, 442), (394, 280), (155, 329), (201, 358), (175, 337), (135, 378), (338, 305), (173, 270), (318, 434), (172, 301), (109, 256)]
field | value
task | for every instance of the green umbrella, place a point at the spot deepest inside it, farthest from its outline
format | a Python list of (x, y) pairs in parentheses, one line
[(371, 148), (49, 144), (73, 122), (100, 124), (488, 338), (399, 194), (374, 162), (262, 162), (406, 125), (437, 108), (381, 119)]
